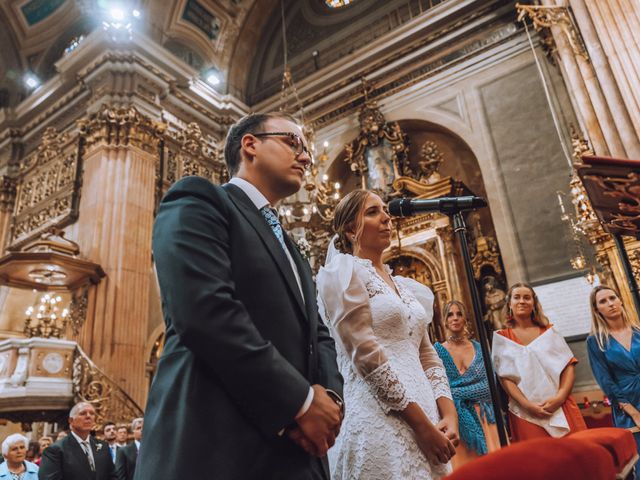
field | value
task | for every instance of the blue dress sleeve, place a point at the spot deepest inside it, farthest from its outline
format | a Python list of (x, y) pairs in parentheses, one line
[(602, 371)]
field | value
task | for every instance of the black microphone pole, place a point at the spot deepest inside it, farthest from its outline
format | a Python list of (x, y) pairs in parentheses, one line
[(460, 229)]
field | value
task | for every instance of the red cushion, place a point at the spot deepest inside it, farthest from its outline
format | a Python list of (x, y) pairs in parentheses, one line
[(541, 459), (618, 441)]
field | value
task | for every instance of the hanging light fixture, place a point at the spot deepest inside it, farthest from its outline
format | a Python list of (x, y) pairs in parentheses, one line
[(314, 213)]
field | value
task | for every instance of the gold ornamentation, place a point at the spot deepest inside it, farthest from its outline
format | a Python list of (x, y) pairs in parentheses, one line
[(544, 17), (47, 192), (92, 385), (379, 154), (431, 160), (78, 310), (7, 193), (188, 151), (484, 251), (121, 127)]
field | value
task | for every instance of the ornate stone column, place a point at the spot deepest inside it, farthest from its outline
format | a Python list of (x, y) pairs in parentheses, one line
[(598, 56), (121, 152), (610, 31)]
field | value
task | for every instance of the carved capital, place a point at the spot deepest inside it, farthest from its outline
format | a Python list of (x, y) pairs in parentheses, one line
[(545, 17), (121, 127)]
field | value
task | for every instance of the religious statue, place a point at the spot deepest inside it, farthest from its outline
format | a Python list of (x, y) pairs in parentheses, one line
[(494, 299)]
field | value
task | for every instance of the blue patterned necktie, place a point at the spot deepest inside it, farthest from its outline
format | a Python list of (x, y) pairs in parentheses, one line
[(270, 216)]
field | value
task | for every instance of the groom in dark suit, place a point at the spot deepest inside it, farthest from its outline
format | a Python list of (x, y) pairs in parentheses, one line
[(247, 386), (78, 456)]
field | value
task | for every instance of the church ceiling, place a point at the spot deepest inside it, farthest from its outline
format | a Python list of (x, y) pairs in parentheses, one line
[(239, 40)]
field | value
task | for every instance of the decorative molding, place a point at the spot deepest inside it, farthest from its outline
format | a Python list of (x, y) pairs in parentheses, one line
[(48, 188), (121, 127), (429, 64), (380, 152), (7, 193), (545, 17)]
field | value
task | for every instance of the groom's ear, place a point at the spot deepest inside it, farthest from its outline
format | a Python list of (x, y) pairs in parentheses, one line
[(248, 144)]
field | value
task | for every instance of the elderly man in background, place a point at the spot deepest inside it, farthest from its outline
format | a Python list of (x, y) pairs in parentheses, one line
[(78, 456), (128, 456), (14, 451)]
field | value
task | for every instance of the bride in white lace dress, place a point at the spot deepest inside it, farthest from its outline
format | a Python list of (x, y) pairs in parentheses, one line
[(400, 421)]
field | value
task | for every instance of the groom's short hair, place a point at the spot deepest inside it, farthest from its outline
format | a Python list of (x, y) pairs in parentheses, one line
[(251, 123)]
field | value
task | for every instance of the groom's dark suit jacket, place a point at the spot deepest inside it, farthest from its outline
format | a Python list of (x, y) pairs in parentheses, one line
[(242, 347)]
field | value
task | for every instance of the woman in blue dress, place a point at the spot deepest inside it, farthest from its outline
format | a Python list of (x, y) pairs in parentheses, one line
[(614, 354), (462, 359)]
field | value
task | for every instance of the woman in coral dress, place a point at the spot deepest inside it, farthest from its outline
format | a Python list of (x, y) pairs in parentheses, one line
[(536, 369)]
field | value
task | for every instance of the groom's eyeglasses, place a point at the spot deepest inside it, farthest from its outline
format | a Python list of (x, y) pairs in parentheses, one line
[(295, 142)]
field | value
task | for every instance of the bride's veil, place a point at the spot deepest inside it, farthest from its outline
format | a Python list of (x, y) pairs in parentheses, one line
[(332, 251)]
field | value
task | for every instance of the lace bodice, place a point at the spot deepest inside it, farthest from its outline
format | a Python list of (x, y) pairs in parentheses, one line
[(388, 361)]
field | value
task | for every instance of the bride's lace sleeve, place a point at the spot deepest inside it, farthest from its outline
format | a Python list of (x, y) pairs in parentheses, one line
[(429, 358), (345, 301), (434, 369)]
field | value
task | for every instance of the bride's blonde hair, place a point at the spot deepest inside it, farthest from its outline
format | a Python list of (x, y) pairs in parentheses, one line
[(348, 217)]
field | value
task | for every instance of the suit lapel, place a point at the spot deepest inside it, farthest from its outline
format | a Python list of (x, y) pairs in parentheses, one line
[(78, 452), (257, 221), (306, 279)]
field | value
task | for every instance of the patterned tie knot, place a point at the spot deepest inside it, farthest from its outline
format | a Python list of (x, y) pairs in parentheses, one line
[(271, 217)]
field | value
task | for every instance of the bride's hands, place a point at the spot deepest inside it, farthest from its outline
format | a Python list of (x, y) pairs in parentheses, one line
[(434, 444), (449, 426)]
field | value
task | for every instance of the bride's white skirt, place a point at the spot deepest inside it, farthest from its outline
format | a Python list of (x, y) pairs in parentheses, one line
[(373, 445)]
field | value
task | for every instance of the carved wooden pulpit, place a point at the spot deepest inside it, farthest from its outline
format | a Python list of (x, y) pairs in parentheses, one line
[(613, 187)]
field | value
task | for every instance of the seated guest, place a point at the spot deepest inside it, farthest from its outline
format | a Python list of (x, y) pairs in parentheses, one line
[(462, 359), (122, 435), (44, 442), (109, 435), (15, 466), (536, 369), (614, 355), (78, 456), (127, 456)]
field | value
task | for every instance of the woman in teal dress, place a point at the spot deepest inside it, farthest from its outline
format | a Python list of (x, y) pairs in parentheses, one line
[(614, 354), (462, 359)]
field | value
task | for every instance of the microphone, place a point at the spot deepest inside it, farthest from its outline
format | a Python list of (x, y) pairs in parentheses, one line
[(405, 207)]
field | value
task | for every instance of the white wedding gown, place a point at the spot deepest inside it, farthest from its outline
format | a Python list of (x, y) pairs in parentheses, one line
[(388, 361)]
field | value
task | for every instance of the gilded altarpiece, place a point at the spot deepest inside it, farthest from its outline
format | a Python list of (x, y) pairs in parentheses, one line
[(423, 246)]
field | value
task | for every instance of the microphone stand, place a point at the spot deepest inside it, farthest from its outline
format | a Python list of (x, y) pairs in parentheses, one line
[(460, 229)]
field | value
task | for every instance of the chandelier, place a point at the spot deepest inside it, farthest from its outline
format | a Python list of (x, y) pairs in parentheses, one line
[(309, 213), (322, 197), (46, 318), (583, 222)]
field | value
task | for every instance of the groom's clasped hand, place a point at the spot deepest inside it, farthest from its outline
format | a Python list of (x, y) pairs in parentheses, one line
[(317, 429)]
